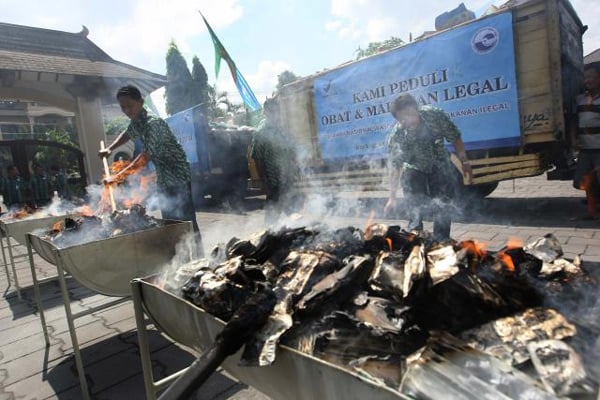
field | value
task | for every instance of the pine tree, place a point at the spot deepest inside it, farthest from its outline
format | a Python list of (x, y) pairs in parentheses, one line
[(179, 82), (200, 82)]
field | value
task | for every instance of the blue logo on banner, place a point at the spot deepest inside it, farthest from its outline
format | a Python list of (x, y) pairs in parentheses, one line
[(485, 40)]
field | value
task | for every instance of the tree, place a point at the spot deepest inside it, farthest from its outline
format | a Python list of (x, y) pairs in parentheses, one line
[(200, 82), (48, 156), (378, 47), (218, 102), (116, 125), (284, 78), (178, 93)]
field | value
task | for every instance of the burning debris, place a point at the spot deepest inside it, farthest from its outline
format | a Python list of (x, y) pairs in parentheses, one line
[(82, 229), (384, 300)]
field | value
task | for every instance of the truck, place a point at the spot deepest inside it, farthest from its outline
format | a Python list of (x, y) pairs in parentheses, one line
[(507, 79), (217, 155)]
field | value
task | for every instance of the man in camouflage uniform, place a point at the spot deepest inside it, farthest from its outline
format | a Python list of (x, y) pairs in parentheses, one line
[(416, 152), (39, 184), (14, 188), (275, 156), (159, 145)]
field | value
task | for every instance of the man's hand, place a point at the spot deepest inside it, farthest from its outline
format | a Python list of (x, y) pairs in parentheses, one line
[(467, 172), (104, 153), (389, 206), (109, 180)]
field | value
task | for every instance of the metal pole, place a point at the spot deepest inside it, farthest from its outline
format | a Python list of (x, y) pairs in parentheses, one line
[(12, 263), (36, 289), (143, 341), (70, 321), (2, 236)]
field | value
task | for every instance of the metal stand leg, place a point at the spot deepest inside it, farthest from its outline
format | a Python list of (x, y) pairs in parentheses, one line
[(143, 342), (71, 322), (12, 263), (36, 290), (149, 384), (2, 236)]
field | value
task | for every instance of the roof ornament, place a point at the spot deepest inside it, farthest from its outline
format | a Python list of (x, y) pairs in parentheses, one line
[(84, 32)]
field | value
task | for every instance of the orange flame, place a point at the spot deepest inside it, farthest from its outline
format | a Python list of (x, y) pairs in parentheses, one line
[(57, 227), (370, 219), (86, 210), (121, 170), (587, 185), (506, 260), (514, 243), (478, 249), (389, 242)]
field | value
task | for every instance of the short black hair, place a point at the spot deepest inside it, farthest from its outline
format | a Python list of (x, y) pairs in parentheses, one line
[(129, 91), (405, 100), (593, 65)]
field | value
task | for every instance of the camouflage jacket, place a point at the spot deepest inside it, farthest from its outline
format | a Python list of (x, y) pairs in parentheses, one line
[(276, 151), (422, 149), (159, 143), (40, 187)]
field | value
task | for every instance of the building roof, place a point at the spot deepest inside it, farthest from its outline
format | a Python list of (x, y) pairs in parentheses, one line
[(24, 48), (594, 56)]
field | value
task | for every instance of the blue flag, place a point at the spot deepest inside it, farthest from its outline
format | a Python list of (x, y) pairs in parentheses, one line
[(241, 84)]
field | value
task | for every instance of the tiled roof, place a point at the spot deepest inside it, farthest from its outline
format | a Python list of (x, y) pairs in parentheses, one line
[(594, 56), (24, 48)]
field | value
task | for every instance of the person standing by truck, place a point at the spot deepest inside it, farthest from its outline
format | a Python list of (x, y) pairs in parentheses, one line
[(160, 146), (417, 157), (39, 184), (587, 138), (275, 157), (14, 188)]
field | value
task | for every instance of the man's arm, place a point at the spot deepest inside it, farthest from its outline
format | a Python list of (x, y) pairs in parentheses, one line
[(138, 162), (119, 141), (462, 156), (395, 174)]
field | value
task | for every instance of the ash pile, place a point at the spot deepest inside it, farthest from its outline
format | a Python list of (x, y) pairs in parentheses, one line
[(429, 320), (83, 229)]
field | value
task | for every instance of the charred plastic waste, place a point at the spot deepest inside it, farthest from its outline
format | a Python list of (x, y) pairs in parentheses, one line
[(428, 319), (82, 229)]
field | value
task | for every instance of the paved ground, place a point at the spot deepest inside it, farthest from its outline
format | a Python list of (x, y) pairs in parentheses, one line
[(524, 209)]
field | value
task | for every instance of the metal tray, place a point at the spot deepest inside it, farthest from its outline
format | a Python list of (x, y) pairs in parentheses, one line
[(107, 266), (17, 228), (294, 375)]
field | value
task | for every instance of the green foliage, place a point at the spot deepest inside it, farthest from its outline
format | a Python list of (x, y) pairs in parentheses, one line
[(179, 87), (284, 78), (378, 47), (47, 156), (117, 125), (200, 81), (185, 90)]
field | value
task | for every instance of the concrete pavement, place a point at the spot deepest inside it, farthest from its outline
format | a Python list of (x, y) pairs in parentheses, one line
[(524, 209)]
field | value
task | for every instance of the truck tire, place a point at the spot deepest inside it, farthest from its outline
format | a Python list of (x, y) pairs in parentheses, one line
[(481, 190)]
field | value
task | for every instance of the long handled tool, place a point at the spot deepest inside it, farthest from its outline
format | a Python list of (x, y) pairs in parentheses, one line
[(248, 319), (113, 205)]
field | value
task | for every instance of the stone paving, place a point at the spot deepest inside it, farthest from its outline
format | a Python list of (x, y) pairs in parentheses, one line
[(523, 209)]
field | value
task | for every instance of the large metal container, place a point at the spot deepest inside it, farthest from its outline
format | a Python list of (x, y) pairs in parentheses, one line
[(294, 375), (17, 228), (107, 266)]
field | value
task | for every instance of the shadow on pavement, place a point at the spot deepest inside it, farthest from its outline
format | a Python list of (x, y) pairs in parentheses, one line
[(113, 370), (50, 295)]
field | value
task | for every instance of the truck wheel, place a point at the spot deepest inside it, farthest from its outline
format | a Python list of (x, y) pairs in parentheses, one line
[(482, 190)]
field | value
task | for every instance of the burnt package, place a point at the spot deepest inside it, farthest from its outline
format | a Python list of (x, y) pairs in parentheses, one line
[(424, 318)]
